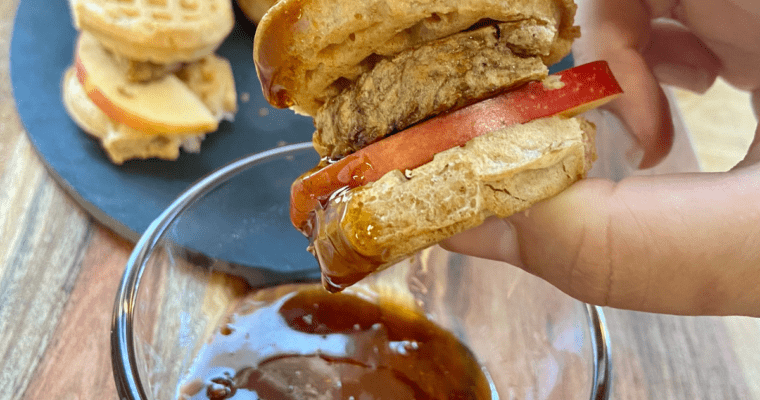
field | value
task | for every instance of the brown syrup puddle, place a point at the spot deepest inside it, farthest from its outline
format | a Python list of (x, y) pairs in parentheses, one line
[(310, 344)]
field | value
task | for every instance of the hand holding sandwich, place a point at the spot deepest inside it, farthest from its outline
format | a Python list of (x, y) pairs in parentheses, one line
[(429, 118), (682, 244)]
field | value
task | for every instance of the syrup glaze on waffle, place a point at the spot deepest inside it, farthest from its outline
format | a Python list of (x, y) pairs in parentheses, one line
[(161, 31)]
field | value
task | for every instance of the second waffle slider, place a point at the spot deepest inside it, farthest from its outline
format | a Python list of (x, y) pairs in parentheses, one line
[(145, 80)]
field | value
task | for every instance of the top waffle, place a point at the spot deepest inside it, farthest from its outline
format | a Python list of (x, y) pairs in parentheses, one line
[(160, 31)]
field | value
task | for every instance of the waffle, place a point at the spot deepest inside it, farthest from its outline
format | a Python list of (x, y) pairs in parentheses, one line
[(212, 81), (160, 31)]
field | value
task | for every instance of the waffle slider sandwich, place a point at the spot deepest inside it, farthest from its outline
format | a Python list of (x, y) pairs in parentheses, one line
[(430, 116), (145, 80)]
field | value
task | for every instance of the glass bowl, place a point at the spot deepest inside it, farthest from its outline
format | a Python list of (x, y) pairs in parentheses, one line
[(229, 235)]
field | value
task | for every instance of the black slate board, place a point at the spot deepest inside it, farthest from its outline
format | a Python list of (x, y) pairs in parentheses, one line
[(41, 50)]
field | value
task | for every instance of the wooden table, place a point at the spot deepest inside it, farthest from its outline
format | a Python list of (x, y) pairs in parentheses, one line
[(59, 270)]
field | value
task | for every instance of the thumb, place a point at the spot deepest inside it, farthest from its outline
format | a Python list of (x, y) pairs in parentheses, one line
[(495, 239), (648, 243), (547, 240), (651, 243), (563, 240)]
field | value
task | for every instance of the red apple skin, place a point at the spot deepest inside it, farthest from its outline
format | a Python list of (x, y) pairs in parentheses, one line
[(139, 121), (111, 110), (582, 88), (122, 116)]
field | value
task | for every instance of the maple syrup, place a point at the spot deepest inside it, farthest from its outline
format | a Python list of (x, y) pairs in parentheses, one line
[(311, 344)]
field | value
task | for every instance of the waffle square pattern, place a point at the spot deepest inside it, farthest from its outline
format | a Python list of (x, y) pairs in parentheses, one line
[(159, 31)]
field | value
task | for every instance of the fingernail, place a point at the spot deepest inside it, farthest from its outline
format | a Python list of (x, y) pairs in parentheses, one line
[(634, 155), (632, 152), (509, 244)]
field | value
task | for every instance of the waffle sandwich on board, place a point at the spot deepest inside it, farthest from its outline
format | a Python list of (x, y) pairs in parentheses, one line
[(145, 80)]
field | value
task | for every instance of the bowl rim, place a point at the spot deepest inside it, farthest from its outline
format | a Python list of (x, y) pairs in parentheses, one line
[(123, 356)]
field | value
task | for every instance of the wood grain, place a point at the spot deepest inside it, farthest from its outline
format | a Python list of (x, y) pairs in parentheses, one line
[(44, 236), (668, 357), (82, 337), (59, 270)]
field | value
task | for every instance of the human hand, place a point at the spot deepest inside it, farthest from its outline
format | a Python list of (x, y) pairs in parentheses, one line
[(682, 244)]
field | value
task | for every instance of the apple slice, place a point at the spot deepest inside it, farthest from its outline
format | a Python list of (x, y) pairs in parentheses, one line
[(567, 93), (165, 106)]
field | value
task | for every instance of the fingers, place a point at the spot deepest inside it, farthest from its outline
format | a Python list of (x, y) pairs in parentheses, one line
[(679, 58), (642, 53), (681, 244), (643, 107), (616, 31)]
